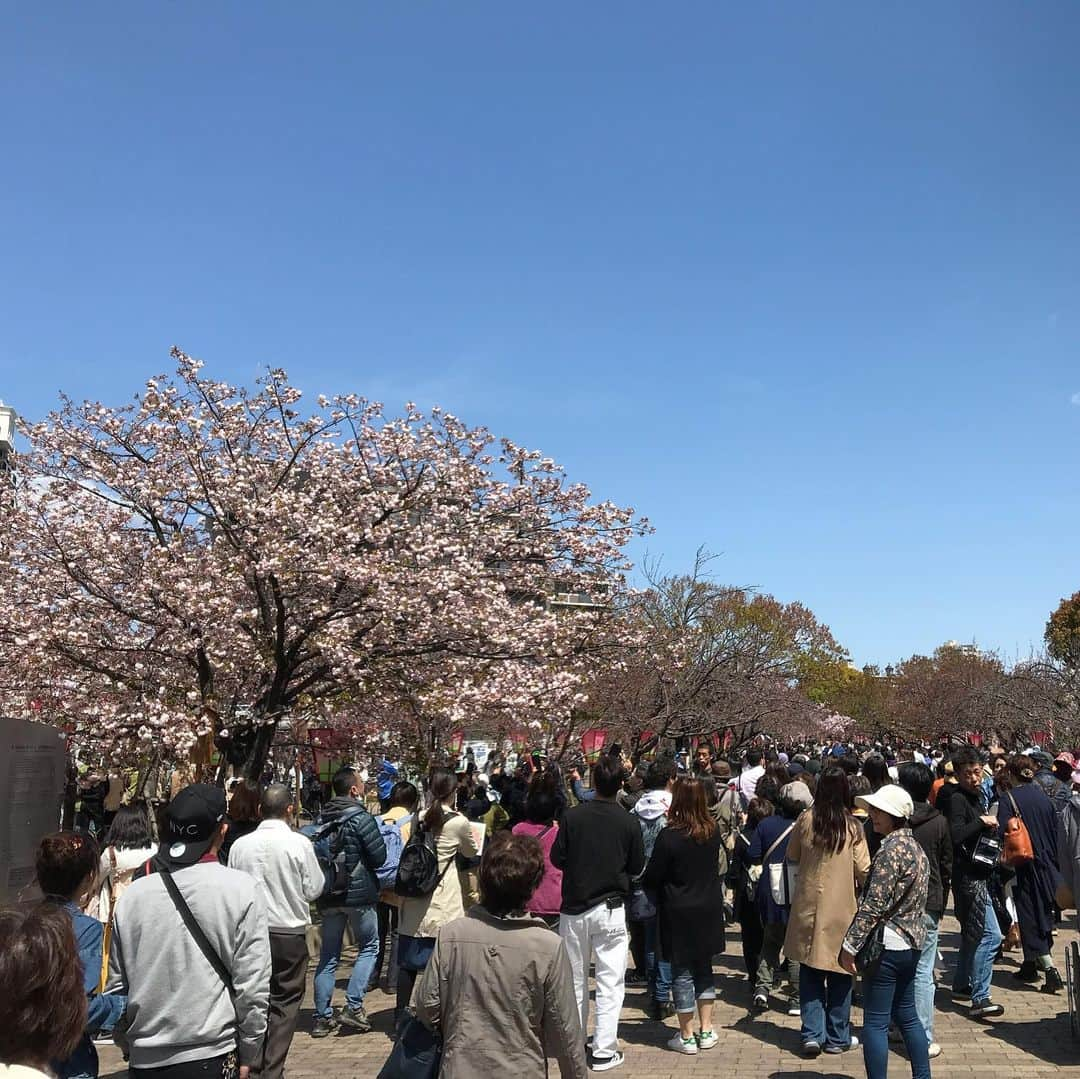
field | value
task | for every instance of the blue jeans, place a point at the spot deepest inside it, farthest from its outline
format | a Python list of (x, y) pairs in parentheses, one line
[(659, 970), (891, 992), (825, 1001), (924, 976), (691, 984), (975, 967), (365, 927)]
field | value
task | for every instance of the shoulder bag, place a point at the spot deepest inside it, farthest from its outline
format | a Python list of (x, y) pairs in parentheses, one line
[(417, 1054), (1017, 849), (106, 939)]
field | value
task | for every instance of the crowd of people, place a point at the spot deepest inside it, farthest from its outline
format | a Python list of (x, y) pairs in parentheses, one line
[(487, 903)]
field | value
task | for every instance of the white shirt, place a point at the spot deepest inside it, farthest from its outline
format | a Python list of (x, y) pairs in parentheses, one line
[(288, 874), (748, 781)]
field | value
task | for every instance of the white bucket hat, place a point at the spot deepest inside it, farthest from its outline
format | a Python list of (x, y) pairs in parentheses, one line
[(889, 799)]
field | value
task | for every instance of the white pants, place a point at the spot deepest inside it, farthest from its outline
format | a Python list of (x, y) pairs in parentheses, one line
[(600, 932)]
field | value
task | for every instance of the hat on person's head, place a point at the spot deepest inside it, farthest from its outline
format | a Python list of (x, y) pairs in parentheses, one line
[(721, 770), (813, 767), (1066, 758), (889, 799), (798, 794), (795, 769), (782, 758), (192, 820), (1042, 758)]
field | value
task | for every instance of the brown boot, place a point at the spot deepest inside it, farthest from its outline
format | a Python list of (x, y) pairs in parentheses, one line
[(1012, 939)]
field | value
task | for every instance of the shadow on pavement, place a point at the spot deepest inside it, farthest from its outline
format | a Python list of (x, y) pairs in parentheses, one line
[(802, 1075), (1047, 1039)]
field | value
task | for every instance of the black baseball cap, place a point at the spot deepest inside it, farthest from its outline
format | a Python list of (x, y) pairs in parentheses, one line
[(191, 822)]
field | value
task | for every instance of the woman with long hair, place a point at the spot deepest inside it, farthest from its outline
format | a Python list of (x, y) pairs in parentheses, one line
[(829, 847), (243, 815), (1035, 885), (685, 872), (129, 844), (423, 916)]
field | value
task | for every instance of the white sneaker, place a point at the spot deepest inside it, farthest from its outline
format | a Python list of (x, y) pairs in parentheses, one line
[(605, 1064), (680, 1045), (934, 1050), (794, 1009), (707, 1040)]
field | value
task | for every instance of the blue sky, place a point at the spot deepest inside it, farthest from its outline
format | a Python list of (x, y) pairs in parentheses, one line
[(801, 282)]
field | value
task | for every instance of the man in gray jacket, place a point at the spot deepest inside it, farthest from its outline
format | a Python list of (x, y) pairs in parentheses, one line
[(195, 966)]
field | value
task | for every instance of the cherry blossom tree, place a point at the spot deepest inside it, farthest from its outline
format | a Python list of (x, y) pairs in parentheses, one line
[(207, 562)]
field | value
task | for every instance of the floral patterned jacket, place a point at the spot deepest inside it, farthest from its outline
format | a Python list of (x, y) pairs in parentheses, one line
[(895, 892)]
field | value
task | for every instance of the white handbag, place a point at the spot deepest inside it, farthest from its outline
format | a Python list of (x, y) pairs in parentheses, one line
[(783, 876)]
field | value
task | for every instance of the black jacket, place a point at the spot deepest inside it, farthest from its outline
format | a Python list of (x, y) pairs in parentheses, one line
[(932, 831), (363, 843), (965, 827), (598, 848), (686, 876)]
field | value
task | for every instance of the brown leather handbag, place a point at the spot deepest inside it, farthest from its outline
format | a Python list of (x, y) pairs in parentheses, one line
[(1017, 848)]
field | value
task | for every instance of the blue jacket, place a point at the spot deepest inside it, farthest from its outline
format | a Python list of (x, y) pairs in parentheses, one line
[(364, 848), (103, 1010)]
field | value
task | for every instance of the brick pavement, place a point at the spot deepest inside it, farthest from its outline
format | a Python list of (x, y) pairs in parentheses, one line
[(1031, 1041)]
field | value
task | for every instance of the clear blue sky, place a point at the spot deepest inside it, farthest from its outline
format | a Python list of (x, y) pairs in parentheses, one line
[(799, 281)]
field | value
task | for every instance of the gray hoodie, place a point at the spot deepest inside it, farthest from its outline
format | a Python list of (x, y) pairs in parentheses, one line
[(178, 1007)]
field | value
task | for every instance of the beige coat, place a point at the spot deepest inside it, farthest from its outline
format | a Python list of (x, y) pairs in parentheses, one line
[(824, 902), (501, 993), (425, 915)]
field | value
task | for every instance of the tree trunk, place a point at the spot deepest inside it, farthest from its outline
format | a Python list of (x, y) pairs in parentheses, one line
[(246, 749), (258, 750)]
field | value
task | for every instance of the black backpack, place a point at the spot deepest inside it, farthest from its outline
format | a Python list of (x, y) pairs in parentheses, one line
[(418, 871)]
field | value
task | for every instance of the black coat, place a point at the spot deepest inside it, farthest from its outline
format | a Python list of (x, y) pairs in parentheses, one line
[(965, 827), (686, 876), (1037, 881), (931, 830)]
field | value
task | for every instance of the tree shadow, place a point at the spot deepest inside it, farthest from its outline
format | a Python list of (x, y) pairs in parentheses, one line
[(1048, 1039)]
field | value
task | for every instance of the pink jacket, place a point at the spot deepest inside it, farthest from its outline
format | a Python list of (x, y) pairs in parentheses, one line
[(547, 899)]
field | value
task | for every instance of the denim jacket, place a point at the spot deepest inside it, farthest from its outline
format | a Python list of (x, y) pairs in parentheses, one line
[(103, 1010)]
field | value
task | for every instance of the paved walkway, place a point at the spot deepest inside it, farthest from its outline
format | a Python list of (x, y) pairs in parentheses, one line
[(1031, 1041)]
